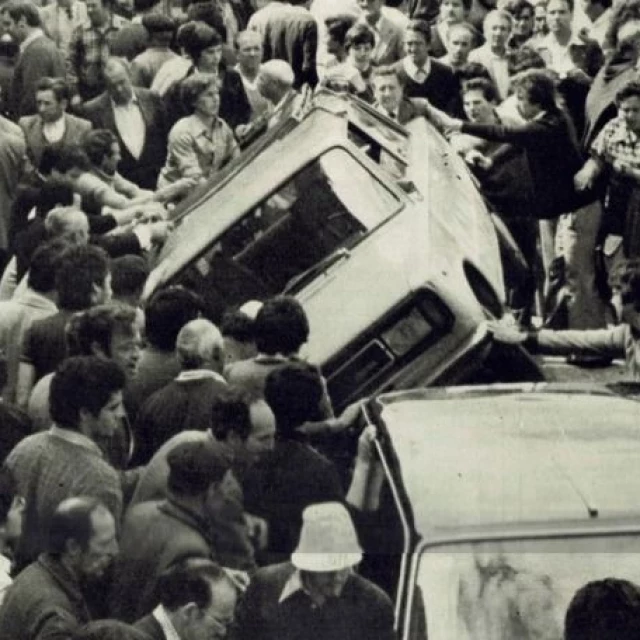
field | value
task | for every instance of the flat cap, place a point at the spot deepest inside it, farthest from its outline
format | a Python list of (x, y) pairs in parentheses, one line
[(194, 466)]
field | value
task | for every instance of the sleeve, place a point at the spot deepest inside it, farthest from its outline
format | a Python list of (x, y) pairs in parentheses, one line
[(528, 134), (600, 146), (74, 58), (600, 342), (182, 154), (309, 49), (380, 619), (54, 623), (100, 193), (29, 346), (139, 76), (119, 244), (125, 187)]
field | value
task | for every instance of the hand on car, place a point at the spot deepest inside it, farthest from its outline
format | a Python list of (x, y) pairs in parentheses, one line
[(366, 445), (506, 331)]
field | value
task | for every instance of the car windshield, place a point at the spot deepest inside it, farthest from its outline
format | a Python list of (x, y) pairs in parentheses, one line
[(319, 213), (511, 590)]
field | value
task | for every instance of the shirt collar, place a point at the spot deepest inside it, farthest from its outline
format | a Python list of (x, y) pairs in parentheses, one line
[(162, 618), (292, 586), (550, 41), (134, 100), (622, 133), (412, 68), (34, 35), (200, 374), (75, 437)]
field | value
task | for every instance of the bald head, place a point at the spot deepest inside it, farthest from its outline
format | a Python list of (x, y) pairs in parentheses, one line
[(275, 80), (118, 80), (68, 223), (200, 346)]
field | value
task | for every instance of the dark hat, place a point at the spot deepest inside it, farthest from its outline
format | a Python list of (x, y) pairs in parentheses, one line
[(158, 22), (194, 466)]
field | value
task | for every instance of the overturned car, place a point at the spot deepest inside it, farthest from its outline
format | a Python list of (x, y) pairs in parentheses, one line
[(378, 230)]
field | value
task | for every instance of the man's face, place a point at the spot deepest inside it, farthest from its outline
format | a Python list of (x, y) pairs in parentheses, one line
[(558, 16), (261, 440), (629, 111), (388, 92), (208, 102), (102, 547), (527, 109), (125, 349), (539, 19), (118, 84), (328, 584), (49, 107), (416, 47), (112, 159), (360, 55), (213, 622), (460, 43), (108, 420), (497, 34), (250, 52), (477, 107), (12, 529), (13, 28), (452, 11), (95, 10), (371, 9), (523, 23)]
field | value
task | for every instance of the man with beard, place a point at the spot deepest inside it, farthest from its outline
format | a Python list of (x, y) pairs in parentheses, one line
[(48, 599)]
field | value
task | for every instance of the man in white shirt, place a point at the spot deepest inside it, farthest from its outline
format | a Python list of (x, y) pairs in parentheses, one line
[(60, 18), (52, 126), (498, 25), (249, 45), (389, 33), (460, 39), (597, 18)]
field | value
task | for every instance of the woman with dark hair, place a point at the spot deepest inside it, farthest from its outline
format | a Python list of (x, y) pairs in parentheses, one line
[(200, 143), (203, 45), (356, 69)]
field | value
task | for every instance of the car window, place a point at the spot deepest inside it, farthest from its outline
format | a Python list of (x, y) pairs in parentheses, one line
[(512, 589), (325, 208)]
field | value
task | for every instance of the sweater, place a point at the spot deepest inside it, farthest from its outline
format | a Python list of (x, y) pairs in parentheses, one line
[(50, 467)]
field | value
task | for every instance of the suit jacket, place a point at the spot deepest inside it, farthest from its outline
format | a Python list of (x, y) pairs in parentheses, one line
[(144, 170), (150, 627), (74, 131), (289, 33), (155, 536), (389, 41), (40, 59), (12, 160)]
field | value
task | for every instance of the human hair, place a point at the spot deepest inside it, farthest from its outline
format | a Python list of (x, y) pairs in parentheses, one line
[(606, 609), (194, 467), (97, 144), (630, 281), (60, 221), (97, 326), (629, 90), (8, 489), (230, 413), (570, 4), (294, 394), (497, 14), (140, 6), (167, 311), (357, 35), (281, 326), (237, 325), (523, 59), (63, 159), (421, 27), (622, 13), (484, 85), (81, 268), (190, 580), (117, 63), (194, 86), (18, 10), (128, 275), (72, 521), (54, 193), (471, 70), (44, 264), (277, 71), (466, 5), (539, 87), (199, 34), (517, 7), (464, 26), (82, 383), (338, 26), (58, 86), (245, 35), (198, 343)]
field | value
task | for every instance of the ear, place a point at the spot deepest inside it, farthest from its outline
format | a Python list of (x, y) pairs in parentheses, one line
[(189, 613), (73, 549)]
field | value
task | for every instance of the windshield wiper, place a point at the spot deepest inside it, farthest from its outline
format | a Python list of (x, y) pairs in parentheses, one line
[(311, 273)]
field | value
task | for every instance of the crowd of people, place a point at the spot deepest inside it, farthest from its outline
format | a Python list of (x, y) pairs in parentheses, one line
[(158, 477)]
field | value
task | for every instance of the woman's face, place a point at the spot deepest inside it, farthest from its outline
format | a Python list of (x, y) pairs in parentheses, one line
[(208, 102), (527, 109), (210, 58), (360, 55)]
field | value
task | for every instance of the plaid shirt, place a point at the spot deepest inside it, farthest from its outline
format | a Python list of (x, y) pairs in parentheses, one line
[(617, 142), (89, 50)]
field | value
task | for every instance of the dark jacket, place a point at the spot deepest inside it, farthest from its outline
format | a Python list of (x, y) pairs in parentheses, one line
[(150, 627), (155, 536), (45, 601), (40, 59), (144, 170), (441, 87), (552, 154), (130, 41), (361, 611)]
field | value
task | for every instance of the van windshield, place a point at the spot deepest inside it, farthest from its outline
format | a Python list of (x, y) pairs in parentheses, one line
[(324, 209), (511, 590)]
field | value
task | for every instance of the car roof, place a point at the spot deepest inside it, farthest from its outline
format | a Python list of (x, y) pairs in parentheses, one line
[(506, 455)]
